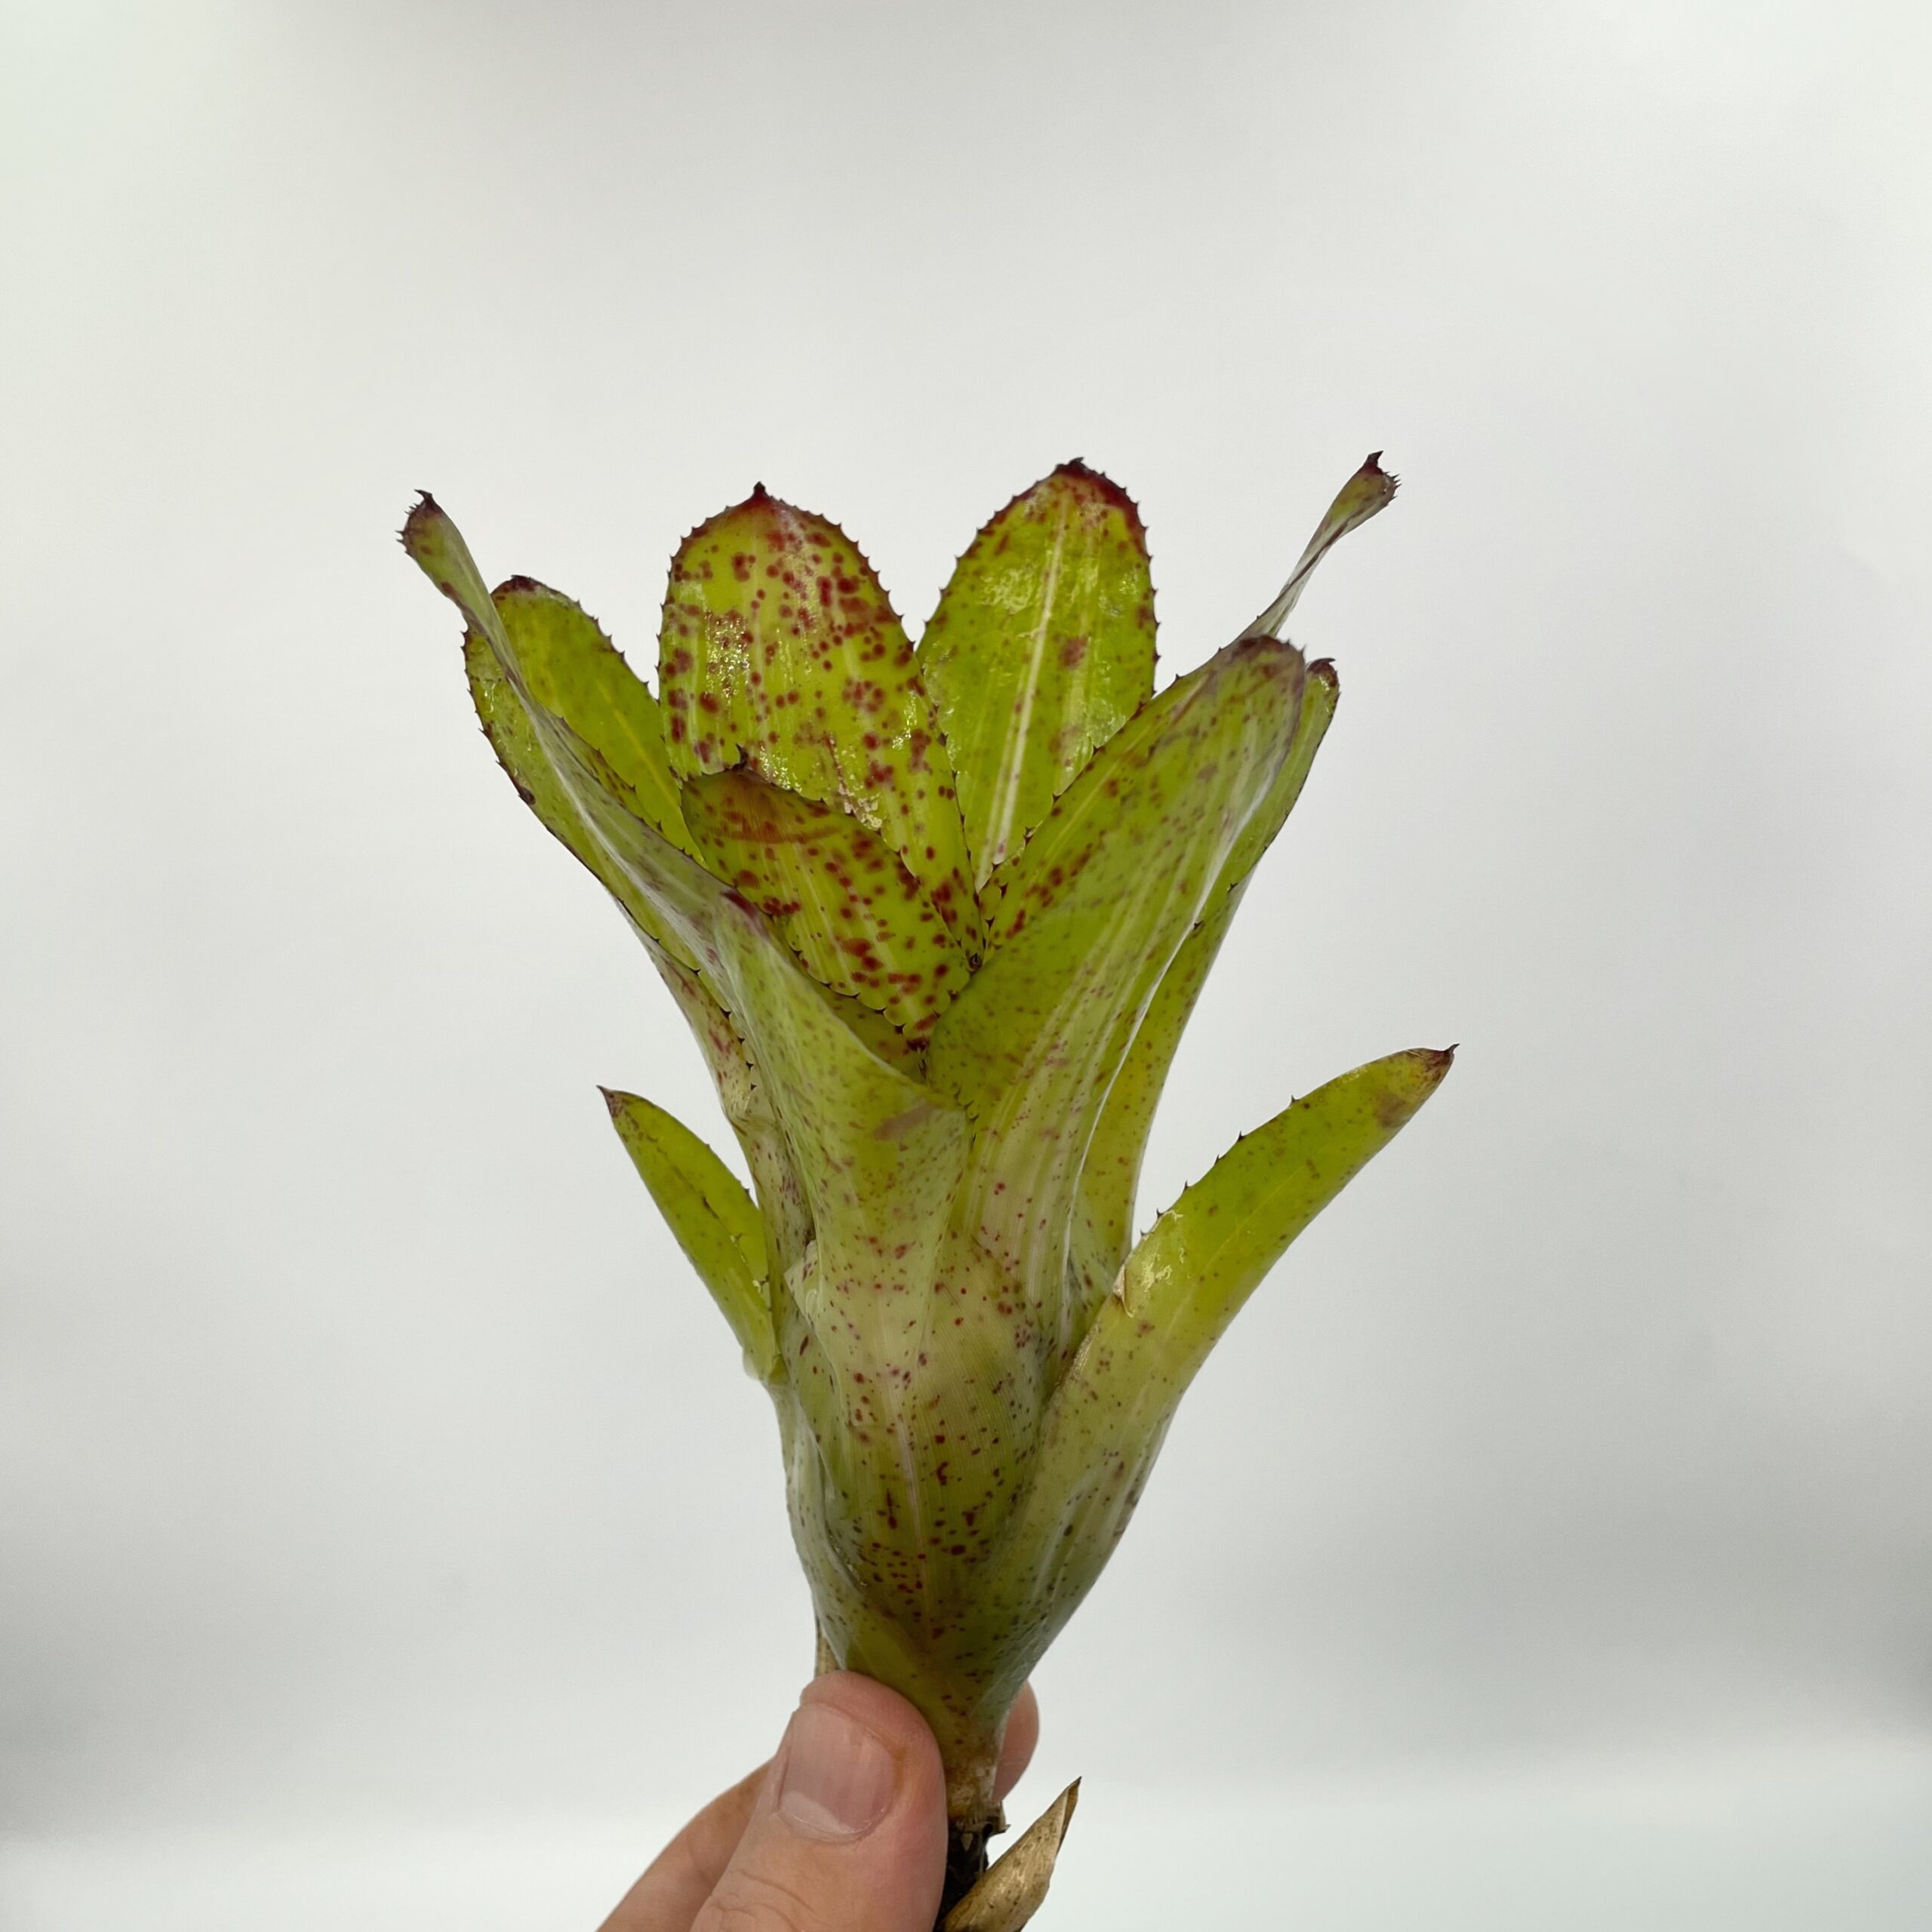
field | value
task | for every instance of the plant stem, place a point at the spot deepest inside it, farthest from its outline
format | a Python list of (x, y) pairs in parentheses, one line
[(965, 1863)]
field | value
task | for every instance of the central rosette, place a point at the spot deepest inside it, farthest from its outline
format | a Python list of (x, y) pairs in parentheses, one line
[(937, 918)]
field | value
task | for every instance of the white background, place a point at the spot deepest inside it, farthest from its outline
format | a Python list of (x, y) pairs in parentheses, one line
[(387, 1534)]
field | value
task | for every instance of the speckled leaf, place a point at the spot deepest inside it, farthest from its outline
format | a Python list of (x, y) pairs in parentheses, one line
[(1180, 1288), (1093, 910), (970, 1389), (1041, 648), (506, 725), (1203, 1257), (781, 651), (1370, 490), (1104, 1229), (1107, 1183), (714, 1220), (747, 1105), (668, 898), (667, 891), (836, 893), (576, 674), (879, 1155)]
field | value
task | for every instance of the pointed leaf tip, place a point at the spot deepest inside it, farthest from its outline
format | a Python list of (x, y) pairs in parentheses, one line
[(425, 506), (1013, 1887), (714, 1220), (1186, 1281), (1370, 490), (1078, 470)]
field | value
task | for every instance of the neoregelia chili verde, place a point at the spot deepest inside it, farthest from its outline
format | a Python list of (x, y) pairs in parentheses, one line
[(937, 918)]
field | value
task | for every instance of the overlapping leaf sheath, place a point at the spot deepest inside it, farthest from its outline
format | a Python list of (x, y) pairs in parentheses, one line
[(780, 652), (1086, 919), (835, 892), (937, 920)]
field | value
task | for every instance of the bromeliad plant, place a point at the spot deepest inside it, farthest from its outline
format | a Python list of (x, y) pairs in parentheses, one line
[(937, 918)]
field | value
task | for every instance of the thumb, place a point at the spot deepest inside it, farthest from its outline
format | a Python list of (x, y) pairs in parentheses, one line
[(849, 1833)]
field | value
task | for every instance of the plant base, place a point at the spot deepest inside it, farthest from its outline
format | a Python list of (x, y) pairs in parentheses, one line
[(1006, 1894)]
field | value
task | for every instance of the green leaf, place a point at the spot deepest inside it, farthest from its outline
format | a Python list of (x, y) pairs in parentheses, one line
[(1111, 1178), (574, 788), (513, 737), (748, 1107), (582, 795), (715, 1221), (1207, 1254), (1104, 1229), (781, 651), (835, 892), (1371, 489), (879, 1157), (1041, 648), (1178, 1292), (586, 799), (576, 674), (879, 1154), (1092, 911)]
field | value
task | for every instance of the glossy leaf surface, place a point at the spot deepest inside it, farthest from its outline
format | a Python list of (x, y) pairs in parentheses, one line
[(1091, 914), (715, 1221), (879, 1155), (747, 1104), (667, 892), (575, 673), (1203, 1257), (1111, 1175), (1368, 492), (1041, 648), (939, 1025), (1179, 1290), (781, 651), (836, 892)]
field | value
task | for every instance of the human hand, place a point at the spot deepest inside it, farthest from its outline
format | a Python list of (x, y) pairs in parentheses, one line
[(844, 1830)]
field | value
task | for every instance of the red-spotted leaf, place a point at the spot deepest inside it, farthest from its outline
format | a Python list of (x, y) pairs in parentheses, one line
[(836, 892), (1093, 910), (1042, 647), (781, 651), (1179, 1290), (573, 785), (1105, 1227)]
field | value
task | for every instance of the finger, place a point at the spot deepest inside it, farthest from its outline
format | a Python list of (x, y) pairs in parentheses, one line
[(681, 1878), (848, 1832), (1022, 1733)]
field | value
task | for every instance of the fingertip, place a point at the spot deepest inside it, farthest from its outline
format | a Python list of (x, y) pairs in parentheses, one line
[(850, 1831), (896, 1725), (1022, 1736)]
